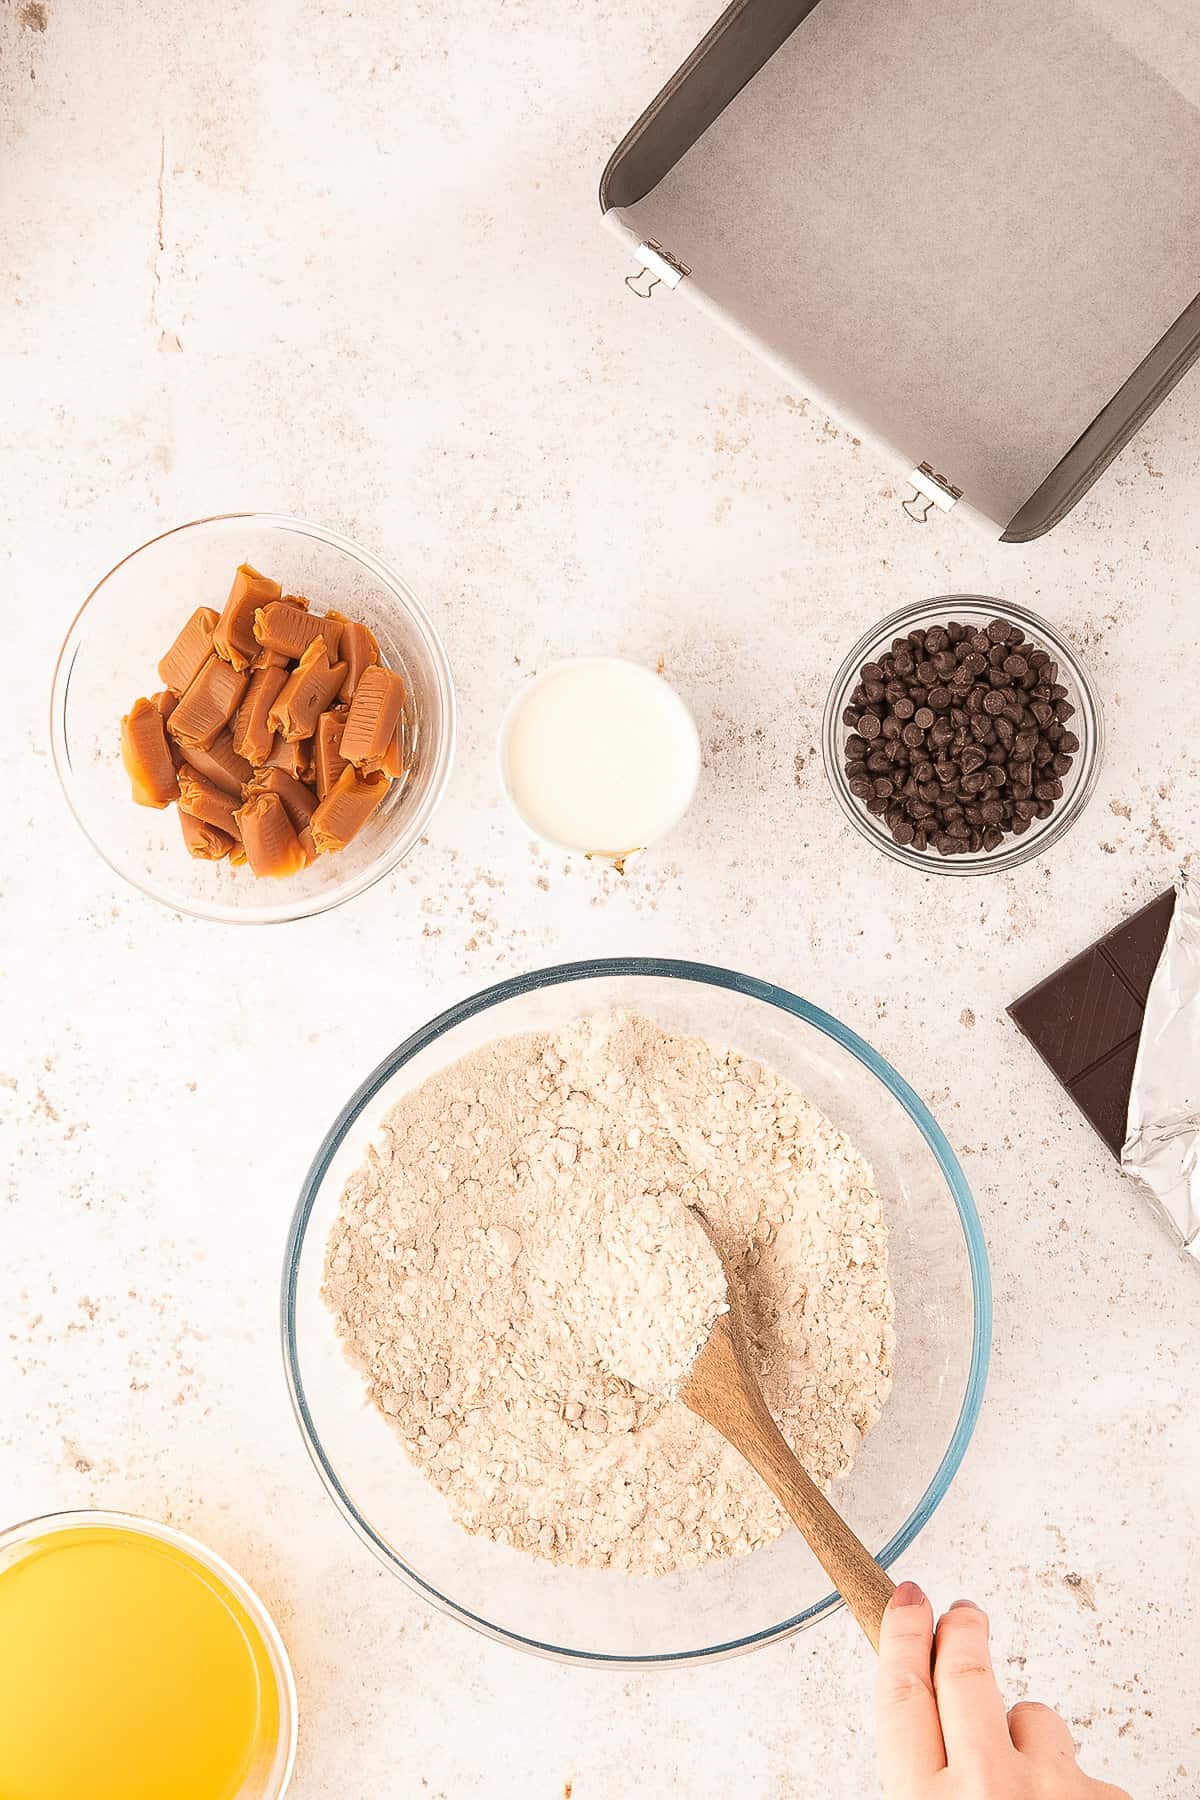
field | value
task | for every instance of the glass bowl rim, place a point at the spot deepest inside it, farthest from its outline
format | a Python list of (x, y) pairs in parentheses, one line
[(391, 579), (1020, 849), (75, 1517), (705, 974)]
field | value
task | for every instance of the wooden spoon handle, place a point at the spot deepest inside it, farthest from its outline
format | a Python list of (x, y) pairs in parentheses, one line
[(864, 1586), (723, 1390)]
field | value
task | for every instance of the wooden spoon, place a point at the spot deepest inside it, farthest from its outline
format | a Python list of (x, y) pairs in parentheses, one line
[(723, 1389)]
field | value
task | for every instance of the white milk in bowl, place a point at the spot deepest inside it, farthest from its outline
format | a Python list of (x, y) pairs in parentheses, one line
[(599, 755)]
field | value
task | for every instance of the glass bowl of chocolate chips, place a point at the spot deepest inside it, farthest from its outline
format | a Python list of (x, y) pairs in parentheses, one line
[(963, 736)]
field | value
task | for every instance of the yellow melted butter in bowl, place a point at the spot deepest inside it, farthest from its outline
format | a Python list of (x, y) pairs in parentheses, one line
[(134, 1666)]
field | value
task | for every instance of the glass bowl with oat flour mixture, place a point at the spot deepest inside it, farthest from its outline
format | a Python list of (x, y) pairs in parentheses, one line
[(463, 1243)]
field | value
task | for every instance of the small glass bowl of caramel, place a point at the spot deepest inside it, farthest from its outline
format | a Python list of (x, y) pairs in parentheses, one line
[(108, 670)]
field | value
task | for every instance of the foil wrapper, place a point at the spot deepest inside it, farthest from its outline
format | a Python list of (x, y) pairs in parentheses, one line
[(1162, 1132)]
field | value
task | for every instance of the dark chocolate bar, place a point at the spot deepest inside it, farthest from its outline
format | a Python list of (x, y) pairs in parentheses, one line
[(1085, 1020)]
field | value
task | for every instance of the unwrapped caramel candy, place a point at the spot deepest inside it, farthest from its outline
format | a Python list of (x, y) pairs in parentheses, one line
[(147, 756), (278, 731), (346, 809), (233, 636), (307, 692), (296, 757), (208, 843), (221, 765), (210, 702), (373, 719), (299, 801), (205, 800), (253, 734), (392, 760), (269, 837), (358, 649), (286, 627), (327, 749), (190, 651)]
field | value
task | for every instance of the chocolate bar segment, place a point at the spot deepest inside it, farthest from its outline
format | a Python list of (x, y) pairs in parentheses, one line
[(1082, 1014), (1102, 1095), (1086, 1019), (1135, 948)]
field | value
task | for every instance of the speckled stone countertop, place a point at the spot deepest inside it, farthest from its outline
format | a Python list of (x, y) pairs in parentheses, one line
[(346, 261)]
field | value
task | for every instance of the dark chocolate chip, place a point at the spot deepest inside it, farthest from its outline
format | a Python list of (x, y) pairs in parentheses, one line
[(955, 737)]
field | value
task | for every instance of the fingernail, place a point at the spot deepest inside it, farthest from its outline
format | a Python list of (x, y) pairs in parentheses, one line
[(960, 1603), (908, 1594)]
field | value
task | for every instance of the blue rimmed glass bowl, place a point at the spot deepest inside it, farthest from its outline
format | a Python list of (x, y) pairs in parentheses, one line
[(943, 1326)]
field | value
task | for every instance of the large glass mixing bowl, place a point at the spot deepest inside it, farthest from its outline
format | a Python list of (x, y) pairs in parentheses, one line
[(943, 1326)]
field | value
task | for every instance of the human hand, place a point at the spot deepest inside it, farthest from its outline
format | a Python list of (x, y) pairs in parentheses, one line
[(946, 1735)]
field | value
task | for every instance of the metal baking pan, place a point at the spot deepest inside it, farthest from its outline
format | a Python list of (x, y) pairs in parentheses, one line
[(970, 230)]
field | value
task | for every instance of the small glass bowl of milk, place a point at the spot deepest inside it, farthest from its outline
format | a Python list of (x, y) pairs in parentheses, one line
[(600, 756)]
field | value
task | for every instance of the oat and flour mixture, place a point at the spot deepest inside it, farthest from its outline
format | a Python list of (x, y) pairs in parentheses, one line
[(518, 1253)]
